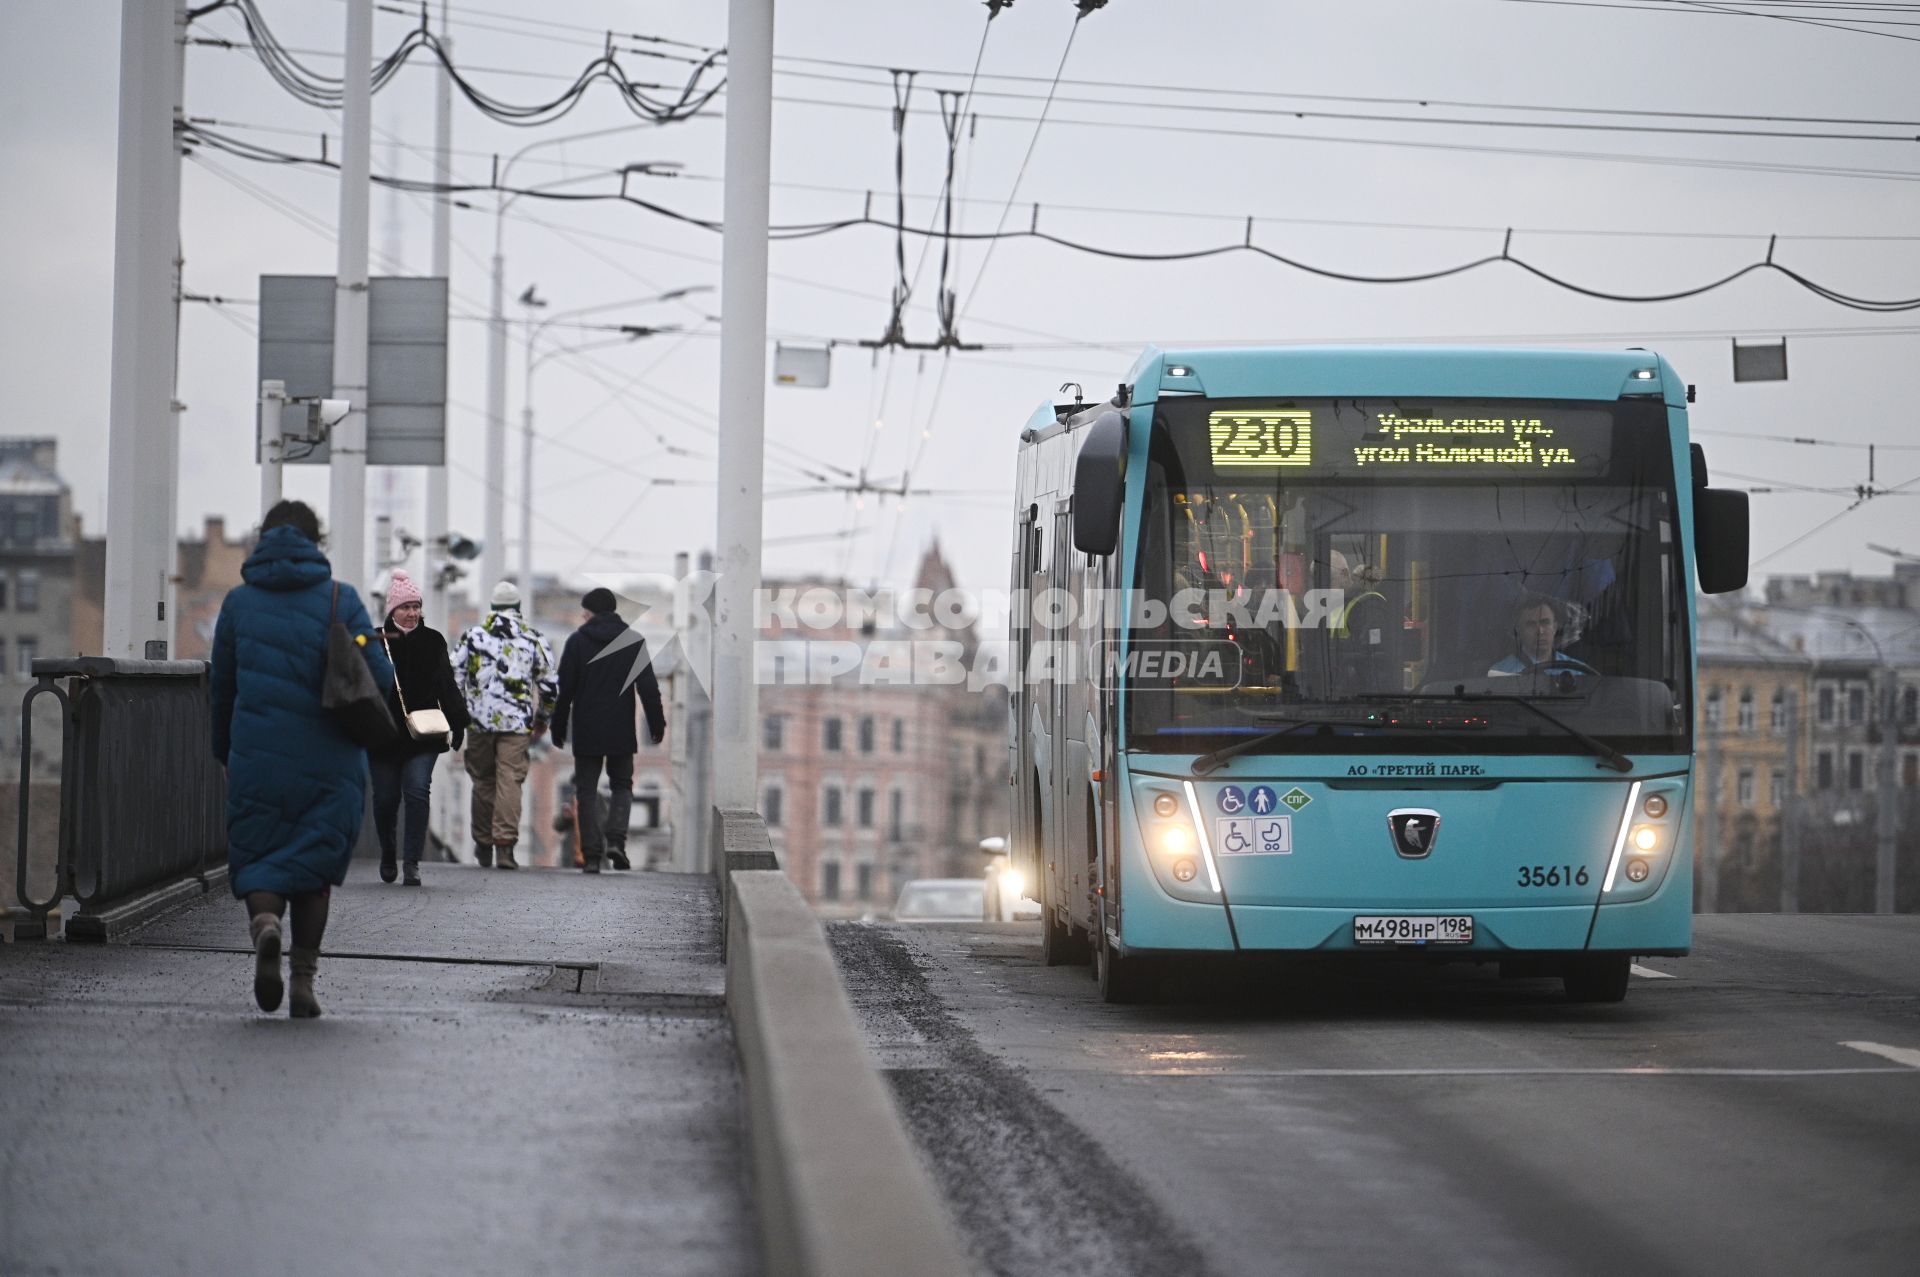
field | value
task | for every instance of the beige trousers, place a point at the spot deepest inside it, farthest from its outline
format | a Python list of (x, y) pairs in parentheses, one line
[(497, 762)]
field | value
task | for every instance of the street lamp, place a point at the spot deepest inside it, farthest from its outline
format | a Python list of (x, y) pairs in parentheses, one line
[(532, 302), (493, 537), (628, 332)]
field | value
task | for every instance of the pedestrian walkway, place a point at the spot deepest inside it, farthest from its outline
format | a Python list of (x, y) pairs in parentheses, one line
[(515, 1073)]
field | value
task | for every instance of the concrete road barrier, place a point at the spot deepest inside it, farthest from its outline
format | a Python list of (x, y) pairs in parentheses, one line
[(839, 1186)]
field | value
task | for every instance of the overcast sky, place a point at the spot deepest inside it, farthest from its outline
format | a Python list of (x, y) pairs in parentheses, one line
[(1118, 163)]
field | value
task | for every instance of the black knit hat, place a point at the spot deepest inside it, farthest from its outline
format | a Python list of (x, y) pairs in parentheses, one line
[(599, 600)]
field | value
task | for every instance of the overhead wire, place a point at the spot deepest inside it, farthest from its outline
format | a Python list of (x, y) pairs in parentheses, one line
[(1829, 522), (1603, 157), (1450, 121), (1347, 223), (808, 230), (1599, 157), (1805, 442), (944, 204), (957, 307), (1215, 90), (948, 239), (320, 90), (804, 282), (1706, 10)]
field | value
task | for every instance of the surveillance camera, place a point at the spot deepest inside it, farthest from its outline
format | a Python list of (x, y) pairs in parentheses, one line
[(324, 414), (460, 547)]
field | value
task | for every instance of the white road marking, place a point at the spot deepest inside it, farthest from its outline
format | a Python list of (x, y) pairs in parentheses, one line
[(1898, 1054), (1648, 973)]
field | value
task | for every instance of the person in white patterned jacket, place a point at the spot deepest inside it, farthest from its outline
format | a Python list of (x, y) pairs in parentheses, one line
[(508, 675)]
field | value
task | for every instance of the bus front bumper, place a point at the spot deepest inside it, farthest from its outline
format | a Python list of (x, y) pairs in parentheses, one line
[(1661, 924)]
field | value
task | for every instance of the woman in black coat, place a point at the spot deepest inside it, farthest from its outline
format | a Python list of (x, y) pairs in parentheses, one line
[(404, 768)]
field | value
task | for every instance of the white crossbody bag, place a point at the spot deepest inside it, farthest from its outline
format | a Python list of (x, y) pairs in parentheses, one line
[(427, 725)]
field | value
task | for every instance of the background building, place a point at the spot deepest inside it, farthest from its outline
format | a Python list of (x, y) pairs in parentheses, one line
[(36, 582), (1850, 646), (867, 787), (1752, 742), (208, 566)]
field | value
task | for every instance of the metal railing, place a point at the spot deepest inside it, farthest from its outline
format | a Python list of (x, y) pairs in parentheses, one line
[(142, 800)]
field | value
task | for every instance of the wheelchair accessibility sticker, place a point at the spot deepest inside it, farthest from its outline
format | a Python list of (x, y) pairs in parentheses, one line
[(1254, 836)]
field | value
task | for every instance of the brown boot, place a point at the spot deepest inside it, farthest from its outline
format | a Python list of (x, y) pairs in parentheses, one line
[(266, 961), (503, 857), (300, 1001)]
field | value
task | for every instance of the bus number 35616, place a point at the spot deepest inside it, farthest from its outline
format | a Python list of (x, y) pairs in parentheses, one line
[(1553, 876)]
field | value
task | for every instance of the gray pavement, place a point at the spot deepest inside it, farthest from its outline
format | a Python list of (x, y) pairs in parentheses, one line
[(516, 1072), (1754, 1108)]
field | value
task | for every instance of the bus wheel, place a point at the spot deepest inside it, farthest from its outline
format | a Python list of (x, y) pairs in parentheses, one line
[(1597, 979), (1122, 979)]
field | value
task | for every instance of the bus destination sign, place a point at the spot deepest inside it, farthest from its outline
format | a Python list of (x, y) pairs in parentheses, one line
[(1439, 440), (1282, 437)]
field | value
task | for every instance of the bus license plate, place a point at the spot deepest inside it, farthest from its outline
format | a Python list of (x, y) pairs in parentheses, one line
[(1449, 928)]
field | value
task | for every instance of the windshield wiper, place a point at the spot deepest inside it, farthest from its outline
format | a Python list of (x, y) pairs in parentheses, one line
[(1609, 756), (1208, 763)]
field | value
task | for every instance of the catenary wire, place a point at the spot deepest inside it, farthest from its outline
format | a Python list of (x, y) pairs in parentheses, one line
[(809, 230)]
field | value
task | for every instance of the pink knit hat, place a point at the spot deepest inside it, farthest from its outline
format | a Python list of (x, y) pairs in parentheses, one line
[(401, 590)]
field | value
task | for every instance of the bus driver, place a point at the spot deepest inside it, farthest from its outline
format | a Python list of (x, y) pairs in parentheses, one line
[(1538, 622)]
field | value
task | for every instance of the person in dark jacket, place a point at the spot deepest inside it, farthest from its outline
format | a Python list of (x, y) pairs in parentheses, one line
[(601, 667), (296, 783), (404, 769)]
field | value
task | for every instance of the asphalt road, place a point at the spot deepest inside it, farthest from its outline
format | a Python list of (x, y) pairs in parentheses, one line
[(1757, 1111), (515, 1073)]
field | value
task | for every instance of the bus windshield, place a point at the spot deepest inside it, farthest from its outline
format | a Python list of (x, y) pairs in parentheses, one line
[(1394, 576)]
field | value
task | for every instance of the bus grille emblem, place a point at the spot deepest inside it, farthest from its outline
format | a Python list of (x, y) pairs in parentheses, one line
[(1414, 830)]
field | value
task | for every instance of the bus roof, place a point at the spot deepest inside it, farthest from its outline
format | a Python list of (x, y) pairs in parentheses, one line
[(1468, 372)]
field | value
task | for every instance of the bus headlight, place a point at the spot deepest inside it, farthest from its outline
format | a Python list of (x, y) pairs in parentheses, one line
[(1012, 885), (1656, 806), (1620, 839), (1646, 838), (1177, 838), (1200, 832)]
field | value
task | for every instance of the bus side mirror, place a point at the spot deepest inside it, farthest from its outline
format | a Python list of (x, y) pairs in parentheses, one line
[(1100, 485), (1720, 539)]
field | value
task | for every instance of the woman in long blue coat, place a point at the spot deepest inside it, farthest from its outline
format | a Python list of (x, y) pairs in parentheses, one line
[(296, 784)]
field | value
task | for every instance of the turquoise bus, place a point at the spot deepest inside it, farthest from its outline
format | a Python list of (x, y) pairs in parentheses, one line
[(1362, 651)]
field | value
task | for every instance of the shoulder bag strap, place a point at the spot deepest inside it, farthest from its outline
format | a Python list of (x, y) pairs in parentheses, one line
[(396, 672), (333, 609)]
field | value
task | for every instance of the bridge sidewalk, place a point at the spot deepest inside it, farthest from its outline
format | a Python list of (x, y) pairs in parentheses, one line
[(516, 1072)]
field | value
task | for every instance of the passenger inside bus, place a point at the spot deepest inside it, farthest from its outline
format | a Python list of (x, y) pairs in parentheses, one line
[(1365, 627)]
